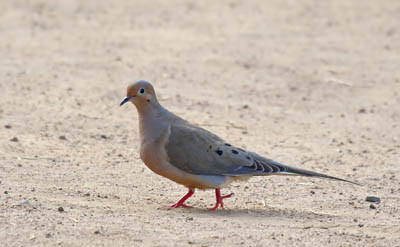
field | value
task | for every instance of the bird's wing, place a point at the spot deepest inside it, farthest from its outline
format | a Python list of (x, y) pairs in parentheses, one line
[(198, 151)]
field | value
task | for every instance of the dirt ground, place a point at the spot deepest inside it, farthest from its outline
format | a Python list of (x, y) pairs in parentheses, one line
[(314, 84)]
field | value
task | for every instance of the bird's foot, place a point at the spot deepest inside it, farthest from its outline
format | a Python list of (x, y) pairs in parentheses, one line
[(219, 199), (180, 203)]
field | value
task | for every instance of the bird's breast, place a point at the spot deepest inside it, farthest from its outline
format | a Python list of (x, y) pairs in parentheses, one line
[(155, 157)]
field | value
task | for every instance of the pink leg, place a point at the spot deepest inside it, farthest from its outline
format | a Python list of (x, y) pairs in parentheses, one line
[(180, 203), (219, 199)]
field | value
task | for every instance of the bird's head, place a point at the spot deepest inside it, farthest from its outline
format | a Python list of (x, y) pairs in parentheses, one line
[(140, 93)]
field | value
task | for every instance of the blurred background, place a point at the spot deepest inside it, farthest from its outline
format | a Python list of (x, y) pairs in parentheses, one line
[(310, 83)]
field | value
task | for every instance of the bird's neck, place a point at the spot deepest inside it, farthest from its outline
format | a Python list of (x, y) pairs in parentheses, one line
[(153, 121)]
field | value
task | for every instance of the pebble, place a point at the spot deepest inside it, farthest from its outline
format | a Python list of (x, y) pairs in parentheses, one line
[(60, 209), (362, 110), (372, 206), (373, 199), (14, 139), (25, 203)]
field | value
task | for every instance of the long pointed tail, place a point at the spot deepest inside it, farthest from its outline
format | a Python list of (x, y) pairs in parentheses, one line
[(262, 166), (302, 172)]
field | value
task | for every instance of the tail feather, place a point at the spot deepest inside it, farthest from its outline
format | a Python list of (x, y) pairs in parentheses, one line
[(261, 166), (302, 172)]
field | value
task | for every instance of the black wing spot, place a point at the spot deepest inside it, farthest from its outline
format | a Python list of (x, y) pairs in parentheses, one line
[(219, 152), (234, 151), (227, 144)]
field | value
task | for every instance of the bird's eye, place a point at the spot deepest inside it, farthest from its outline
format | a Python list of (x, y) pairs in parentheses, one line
[(141, 91)]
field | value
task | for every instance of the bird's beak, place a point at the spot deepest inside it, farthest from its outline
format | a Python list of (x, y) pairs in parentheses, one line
[(127, 99)]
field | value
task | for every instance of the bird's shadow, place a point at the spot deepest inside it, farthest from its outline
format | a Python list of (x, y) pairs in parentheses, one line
[(267, 212)]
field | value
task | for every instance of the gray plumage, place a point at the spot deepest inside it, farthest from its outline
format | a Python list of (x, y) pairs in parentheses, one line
[(193, 156)]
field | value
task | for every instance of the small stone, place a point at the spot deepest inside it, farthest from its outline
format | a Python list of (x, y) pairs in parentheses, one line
[(360, 225), (362, 110), (104, 137), (372, 206), (373, 199), (97, 232), (14, 139), (189, 218), (312, 192), (7, 126), (48, 235), (6, 192), (60, 209), (62, 138), (25, 203)]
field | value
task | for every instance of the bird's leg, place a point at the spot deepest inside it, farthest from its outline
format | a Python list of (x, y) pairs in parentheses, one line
[(219, 199), (180, 203)]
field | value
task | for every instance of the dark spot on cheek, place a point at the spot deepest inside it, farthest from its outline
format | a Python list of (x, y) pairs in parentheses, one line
[(219, 152), (148, 100), (227, 144), (234, 151)]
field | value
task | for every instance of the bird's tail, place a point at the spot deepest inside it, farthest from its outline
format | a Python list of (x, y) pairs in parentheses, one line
[(297, 171)]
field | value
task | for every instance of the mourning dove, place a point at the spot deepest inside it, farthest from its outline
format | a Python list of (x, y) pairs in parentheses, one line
[(192, 156)]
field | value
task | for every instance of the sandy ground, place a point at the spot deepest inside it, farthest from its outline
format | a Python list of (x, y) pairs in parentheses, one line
[(314, 84)]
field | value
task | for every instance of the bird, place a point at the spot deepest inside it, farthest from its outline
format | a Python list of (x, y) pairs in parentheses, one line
[(193, 156)]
